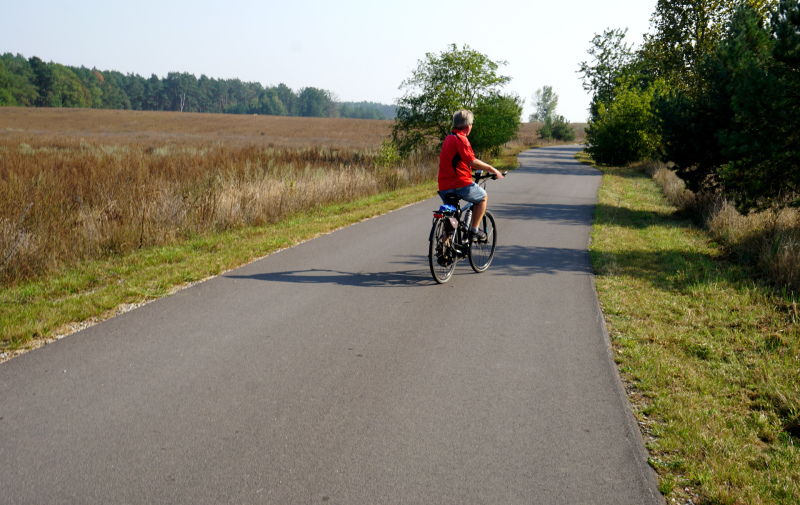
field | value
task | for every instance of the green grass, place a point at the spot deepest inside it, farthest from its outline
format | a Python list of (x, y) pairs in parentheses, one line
[(507, 159), (709, 354), (32, 313)]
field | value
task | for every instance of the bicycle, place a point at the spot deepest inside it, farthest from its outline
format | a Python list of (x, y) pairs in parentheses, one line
[(450, 238)]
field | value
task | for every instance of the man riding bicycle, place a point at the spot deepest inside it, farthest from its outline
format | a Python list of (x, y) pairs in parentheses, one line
[(456, 162)]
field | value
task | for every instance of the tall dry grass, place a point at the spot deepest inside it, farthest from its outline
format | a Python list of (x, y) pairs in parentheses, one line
[(768, 240), (69, 193)]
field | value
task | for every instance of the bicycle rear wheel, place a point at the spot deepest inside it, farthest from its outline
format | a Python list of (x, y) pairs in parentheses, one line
[(440, 254), (481, 253)]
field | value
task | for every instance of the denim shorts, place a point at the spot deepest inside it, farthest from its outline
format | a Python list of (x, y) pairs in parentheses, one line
[(472, 193)]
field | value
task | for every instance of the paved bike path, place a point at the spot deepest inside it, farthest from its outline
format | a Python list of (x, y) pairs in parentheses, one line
[(338, 371)]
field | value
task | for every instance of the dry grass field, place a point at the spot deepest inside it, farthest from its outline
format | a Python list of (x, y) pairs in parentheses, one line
[(110, 127), (77, 185)]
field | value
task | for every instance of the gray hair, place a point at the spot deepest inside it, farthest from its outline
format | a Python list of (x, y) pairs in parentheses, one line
[(462, 119)]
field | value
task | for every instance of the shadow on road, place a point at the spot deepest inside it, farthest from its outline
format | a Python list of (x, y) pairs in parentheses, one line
[(566, 169), (565, 214), (508, 260), (523, 261), (399, 278)]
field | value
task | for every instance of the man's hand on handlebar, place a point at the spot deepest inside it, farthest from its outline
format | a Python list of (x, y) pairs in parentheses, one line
[(486, 174), (480, 167)]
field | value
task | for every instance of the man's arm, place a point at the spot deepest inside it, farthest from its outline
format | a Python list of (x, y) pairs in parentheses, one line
[(477, 164)]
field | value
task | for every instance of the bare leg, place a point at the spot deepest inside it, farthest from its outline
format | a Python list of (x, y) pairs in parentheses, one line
[(478, 210)]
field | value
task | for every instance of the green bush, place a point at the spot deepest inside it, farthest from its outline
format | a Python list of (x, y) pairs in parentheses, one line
[(626, 130), (496, 122), (556, 127)]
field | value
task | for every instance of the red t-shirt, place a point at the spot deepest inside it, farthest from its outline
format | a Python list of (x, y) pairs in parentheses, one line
[(454, 171)]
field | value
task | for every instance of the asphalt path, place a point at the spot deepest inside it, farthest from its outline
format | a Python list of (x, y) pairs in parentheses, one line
[(339, 372)]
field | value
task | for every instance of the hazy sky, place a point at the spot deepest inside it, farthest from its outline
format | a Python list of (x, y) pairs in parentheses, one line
[(359, 50)]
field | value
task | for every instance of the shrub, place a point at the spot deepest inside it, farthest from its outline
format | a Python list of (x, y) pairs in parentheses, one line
[(626, 130), (556, 128)]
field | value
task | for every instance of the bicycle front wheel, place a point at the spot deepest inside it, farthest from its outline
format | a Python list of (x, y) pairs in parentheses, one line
[(440, 254), (482, 252)]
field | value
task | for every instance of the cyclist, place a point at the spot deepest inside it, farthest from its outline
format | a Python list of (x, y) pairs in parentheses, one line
[(456, 162)]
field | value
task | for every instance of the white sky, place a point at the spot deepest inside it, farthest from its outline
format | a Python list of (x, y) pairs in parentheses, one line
[(359, 50)]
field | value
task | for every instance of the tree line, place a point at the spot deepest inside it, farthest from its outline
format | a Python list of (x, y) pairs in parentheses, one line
[(34, 83), (714, 89)]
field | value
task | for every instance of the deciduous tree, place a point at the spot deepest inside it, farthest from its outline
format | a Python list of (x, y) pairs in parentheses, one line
[(444, 83), (545, 102), (612, 60), (626, 130)]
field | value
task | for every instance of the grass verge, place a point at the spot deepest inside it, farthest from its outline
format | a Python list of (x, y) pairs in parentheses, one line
[(35, 312), (710, 357)]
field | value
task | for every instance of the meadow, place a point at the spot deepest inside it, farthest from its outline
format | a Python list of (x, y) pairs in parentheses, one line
[(85, 184)]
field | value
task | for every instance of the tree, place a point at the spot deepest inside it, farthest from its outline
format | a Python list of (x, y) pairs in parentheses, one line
[(626, 131), (270, 103), (32, 82), (64, 88), (545, 101), (154, 94), (242, 98), (205, 94), (556, 127), (612, 60), (722, 114), (761, 78), (314, 102), (181, 91), (6, 98), (287, 98), (496, 122), (15, 87), (361, 110), (45, 82), (685, 33), (442, 84), (114, 96)]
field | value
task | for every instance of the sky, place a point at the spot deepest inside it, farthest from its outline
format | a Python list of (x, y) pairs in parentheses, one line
[(358, 50)]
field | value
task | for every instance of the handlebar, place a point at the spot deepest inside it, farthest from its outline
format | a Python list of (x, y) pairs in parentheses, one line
[(480, 176)]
